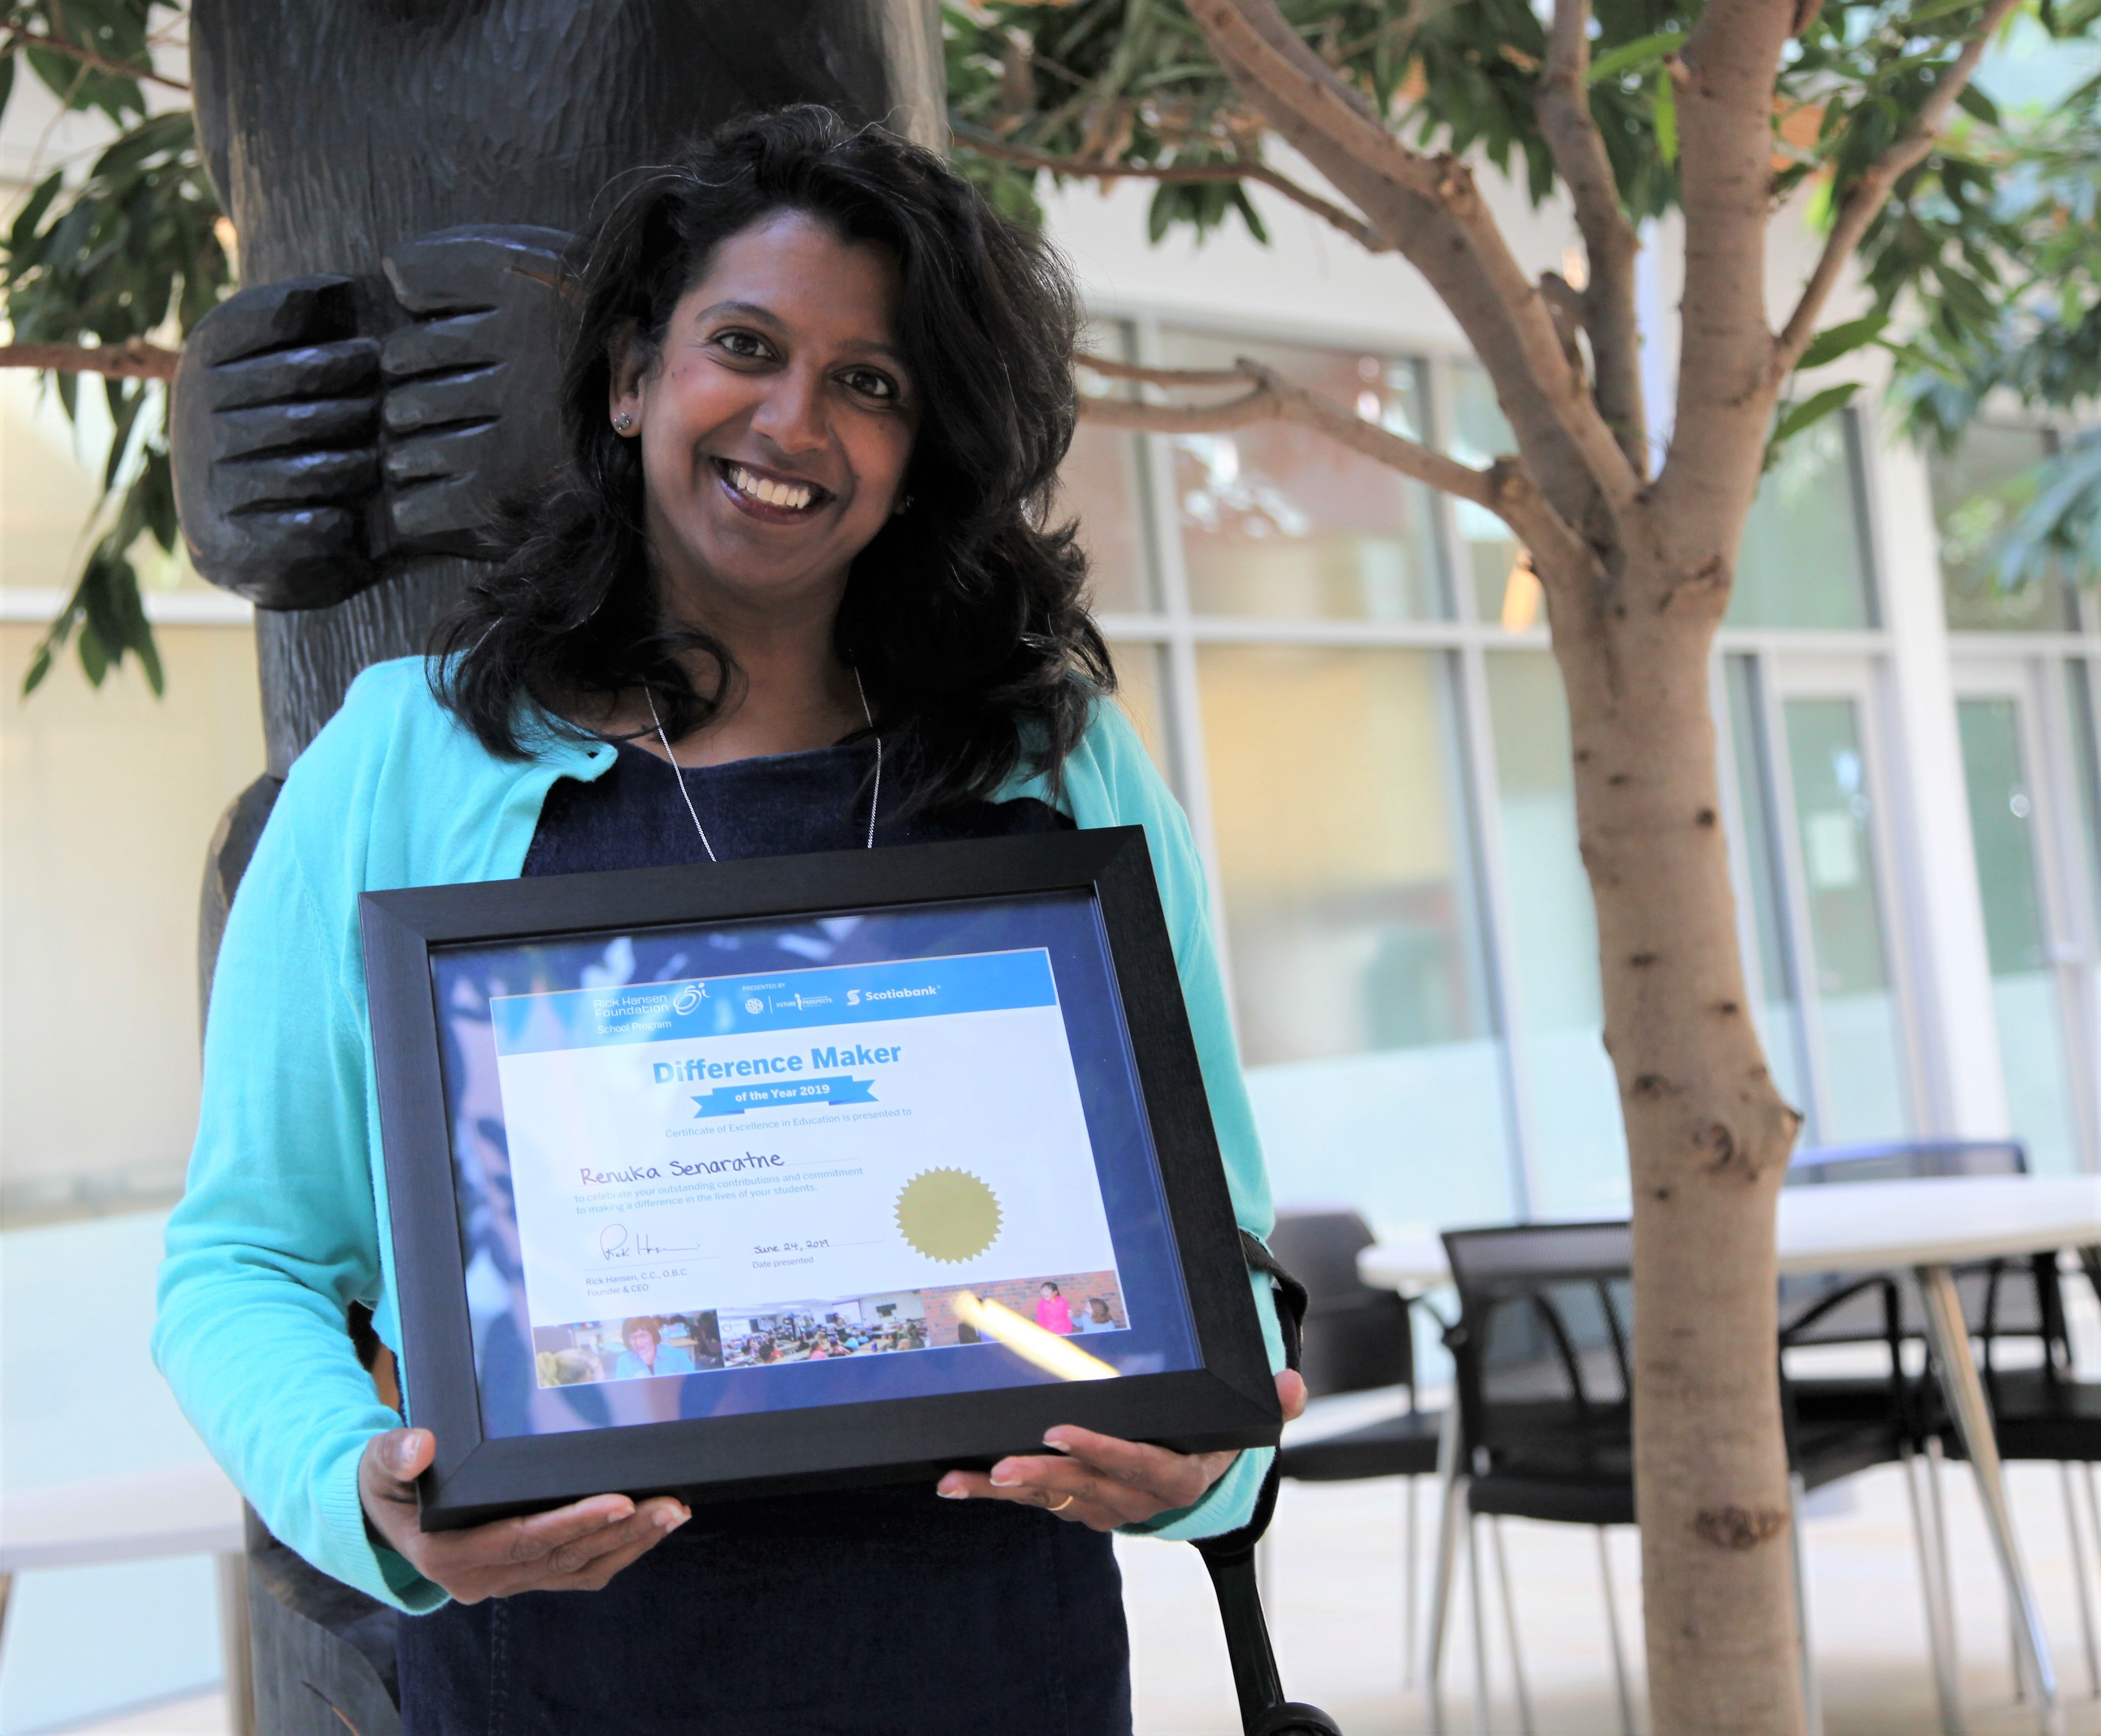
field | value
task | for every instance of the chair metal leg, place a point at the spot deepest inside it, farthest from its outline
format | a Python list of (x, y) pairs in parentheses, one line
[(1265, 1566), (2079, 1580), (1509, 1627), (1812, 1697), (2094, 1511), (1481, 1624), (1939, 1641), (1451, 1492), (1612, 1632), (1407, 1596), (1935, 1458)]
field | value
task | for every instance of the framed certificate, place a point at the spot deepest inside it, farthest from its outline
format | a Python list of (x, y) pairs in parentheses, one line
[(800, 1172)]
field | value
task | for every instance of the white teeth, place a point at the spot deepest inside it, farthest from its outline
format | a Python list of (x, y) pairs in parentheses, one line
[(773, 494)]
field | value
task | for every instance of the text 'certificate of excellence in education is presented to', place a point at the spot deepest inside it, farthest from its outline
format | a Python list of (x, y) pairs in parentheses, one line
[(737, 1143)]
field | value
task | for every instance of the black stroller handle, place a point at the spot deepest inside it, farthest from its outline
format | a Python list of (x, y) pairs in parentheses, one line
[(1230, 1558)]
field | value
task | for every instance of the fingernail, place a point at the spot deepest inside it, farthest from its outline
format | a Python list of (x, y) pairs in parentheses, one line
[(406, 1446), (1057, 1446), (1003, 1478), (951, 1495), (668, 1519)]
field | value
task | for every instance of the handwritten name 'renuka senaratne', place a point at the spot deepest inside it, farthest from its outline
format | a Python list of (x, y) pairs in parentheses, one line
[(714, 1166)]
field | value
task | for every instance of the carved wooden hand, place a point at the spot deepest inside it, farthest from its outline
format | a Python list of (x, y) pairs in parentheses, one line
[(321, 439)]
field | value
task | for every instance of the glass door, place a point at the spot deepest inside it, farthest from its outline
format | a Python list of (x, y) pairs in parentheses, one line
[(2024, 825), (1813, 845)]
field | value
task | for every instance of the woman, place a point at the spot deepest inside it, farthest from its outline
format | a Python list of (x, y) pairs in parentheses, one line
[(817, 402), (1054, 1314), (647, 1354)]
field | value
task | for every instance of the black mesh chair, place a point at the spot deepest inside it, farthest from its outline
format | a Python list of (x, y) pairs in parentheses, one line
[(1542, 1348), (1357, 1340), (1860, 1321), (2039, 1411)]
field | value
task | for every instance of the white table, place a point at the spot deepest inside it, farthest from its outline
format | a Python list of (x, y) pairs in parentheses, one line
[(1930, 1226), (187, 1509)]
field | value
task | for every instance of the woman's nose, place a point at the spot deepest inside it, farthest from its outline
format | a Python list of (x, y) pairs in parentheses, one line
[(792, 415)]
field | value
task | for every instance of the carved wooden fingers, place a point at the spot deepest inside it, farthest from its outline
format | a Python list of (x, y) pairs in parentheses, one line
[(276, 417), (471, 413), (326, 430)]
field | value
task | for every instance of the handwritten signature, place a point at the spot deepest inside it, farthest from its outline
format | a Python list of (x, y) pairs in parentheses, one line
[(614, 1242)]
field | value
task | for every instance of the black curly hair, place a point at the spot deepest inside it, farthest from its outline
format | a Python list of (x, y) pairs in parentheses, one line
[(965, 616)]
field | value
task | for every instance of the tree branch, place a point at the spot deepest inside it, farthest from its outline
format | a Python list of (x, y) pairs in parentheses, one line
[(135, 359), (1355, 227), (1871, 192), (1504, 488), (1430, 208), (20, 36), (1609, 240), (1723, 84)]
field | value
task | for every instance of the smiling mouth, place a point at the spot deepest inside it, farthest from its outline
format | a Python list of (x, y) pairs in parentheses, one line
[(767, 491)]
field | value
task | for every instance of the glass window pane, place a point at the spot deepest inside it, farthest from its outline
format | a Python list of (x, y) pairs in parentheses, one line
[(1581, 1157), (1349, 915), (1102, 485), (1279, 521), (1803, 559), (1500, 589), (2023, 981), (1138, 693), (1779, 1019), (1977, 493), (1863, 1046), (2086, 761)]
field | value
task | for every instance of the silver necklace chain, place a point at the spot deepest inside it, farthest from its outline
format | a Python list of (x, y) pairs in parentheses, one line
[(875, 800)]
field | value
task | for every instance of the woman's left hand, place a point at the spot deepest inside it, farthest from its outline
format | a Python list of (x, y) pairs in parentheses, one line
[(1101, 1482)]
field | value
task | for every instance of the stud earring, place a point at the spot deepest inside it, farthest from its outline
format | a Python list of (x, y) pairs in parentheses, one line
[(903, 507), (622, 422)]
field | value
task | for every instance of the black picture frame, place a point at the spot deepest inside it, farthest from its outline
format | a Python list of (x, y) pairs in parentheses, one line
[(1228, 1402)]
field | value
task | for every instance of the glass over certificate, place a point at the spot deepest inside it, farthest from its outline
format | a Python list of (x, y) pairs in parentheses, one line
[(746, 1166)]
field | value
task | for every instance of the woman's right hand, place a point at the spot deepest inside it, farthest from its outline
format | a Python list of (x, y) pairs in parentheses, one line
[(574, 1548)]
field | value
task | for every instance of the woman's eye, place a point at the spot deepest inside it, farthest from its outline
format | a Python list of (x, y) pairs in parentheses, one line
[(870, 384), (748, 345)]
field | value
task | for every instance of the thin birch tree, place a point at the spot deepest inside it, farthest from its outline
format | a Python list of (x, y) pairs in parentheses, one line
[(1635, 549)]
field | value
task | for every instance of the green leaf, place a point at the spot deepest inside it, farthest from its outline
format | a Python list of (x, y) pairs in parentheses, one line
[(1927, 11), (1835, 341), (1794, 417), (1666, 118), (1974, 102), (1637, 56)]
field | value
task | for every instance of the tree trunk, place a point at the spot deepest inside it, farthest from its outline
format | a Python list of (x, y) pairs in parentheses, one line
[(338, 132), (1708, 1137)]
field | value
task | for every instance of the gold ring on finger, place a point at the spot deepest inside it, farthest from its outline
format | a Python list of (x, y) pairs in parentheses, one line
[(1061, 1506)]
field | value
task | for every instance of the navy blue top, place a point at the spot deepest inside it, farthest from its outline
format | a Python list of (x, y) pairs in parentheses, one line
[(784, 805), (880, 1612)]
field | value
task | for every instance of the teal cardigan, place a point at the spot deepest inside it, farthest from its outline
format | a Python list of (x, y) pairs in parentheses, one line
[(279, 1228)]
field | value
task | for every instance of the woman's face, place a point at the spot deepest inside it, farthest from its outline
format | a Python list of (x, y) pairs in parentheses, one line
[(777, 422), (643, 1344), (1048, 1290)]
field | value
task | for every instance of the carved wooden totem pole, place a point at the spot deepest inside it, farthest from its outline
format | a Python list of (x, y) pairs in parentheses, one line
[(404, 176)]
